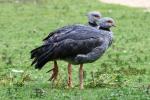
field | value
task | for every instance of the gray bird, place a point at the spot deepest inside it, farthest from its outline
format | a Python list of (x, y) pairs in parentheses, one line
[(82, 44), (93, 17)]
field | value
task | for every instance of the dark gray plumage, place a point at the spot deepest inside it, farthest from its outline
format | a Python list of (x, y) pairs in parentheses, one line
[(93, 17), (81, 44)]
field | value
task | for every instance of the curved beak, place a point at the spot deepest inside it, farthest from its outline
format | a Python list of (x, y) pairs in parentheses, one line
[(114, 25)]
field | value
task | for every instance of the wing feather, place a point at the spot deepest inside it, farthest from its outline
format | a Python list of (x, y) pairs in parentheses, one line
[(70, 47), (63, 30)]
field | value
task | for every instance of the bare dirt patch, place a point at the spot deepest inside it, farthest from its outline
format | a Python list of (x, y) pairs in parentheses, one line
[(130, 3)]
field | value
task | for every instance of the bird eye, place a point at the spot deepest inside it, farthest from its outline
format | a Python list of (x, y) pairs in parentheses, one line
[(97, 16), (109, 21)]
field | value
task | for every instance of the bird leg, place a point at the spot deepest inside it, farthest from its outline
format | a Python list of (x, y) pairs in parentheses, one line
[(81, 76), (55, 72), (69, 75)]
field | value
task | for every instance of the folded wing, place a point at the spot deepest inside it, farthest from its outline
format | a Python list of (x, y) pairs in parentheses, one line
[(64, 49)]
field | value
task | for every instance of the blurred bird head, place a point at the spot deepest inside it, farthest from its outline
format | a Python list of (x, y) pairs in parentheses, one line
[(94, 16), (106, 22)]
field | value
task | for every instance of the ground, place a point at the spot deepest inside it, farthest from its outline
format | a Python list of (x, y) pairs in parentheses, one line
[(131, 3), (121, 74)]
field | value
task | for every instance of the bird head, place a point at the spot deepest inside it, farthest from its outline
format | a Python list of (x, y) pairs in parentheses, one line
[(106, 22), (94, 16)]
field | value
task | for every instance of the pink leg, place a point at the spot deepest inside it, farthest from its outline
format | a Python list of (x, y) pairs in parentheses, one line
[(69, 75), (81, 76)]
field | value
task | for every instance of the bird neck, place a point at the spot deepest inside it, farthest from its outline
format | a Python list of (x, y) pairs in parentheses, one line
[(106, 29), (92, 24)]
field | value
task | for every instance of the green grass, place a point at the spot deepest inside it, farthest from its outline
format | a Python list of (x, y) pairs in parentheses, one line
[(121, 74)]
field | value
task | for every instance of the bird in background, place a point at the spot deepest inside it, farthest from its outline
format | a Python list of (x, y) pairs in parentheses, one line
[(81, 44), (93, 17)]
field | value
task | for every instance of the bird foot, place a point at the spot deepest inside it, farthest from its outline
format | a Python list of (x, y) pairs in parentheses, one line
[(70, 85)]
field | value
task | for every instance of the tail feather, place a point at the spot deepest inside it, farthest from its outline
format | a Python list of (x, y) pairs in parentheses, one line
[(41, 55), (37, 51), (43, 59)]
